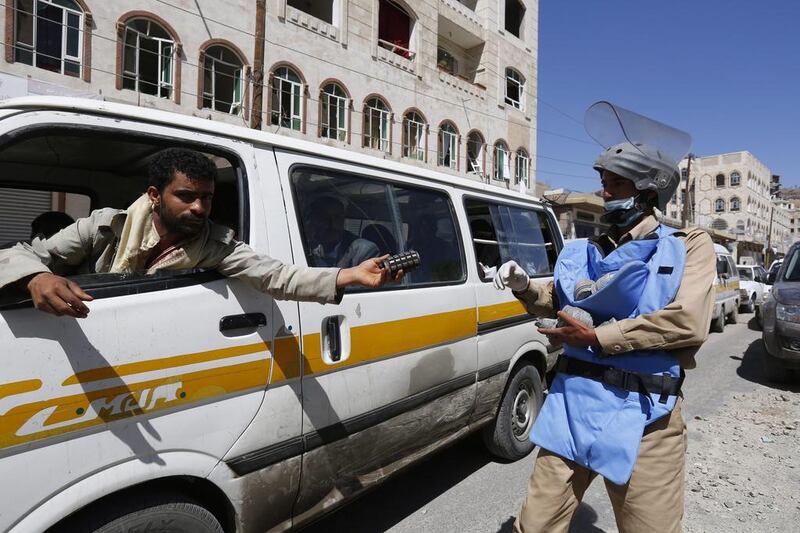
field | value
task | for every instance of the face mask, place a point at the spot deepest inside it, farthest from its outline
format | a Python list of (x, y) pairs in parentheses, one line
[(621, 212)]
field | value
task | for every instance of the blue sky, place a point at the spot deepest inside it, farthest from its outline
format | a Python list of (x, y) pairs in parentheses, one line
[(726, 71)]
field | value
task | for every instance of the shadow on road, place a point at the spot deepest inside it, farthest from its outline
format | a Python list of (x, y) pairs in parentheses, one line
[(753, 325), (409, 491), (584, 520), (752, 369)]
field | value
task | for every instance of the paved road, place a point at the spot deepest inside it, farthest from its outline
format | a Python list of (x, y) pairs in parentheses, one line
[(464, 489)]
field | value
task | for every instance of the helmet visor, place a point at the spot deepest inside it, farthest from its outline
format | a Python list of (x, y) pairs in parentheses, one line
[(610, 124)]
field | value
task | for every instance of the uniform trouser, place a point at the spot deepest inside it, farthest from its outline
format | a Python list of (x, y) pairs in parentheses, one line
[(652, 500)]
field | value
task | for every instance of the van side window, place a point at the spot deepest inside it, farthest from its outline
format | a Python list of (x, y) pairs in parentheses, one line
[(67, 172), (503, 233), (345, 219)]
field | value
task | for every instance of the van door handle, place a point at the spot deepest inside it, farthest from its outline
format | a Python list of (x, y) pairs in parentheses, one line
[(334, 338), (246, 320)]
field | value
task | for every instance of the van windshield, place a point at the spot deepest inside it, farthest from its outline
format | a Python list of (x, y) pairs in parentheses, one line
[(746, 273)]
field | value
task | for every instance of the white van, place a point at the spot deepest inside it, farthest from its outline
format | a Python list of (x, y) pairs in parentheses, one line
[(726, 288), (186, 396)]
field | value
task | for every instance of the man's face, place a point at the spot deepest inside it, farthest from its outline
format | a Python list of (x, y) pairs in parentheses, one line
[(184, 205), (615, 187), (327, 223)]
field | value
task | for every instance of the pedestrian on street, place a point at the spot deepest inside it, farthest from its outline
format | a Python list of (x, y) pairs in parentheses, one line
[(634, 305)]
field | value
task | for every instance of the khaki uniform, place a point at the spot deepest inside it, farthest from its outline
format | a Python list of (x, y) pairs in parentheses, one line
[(113, 240), (652, 500)]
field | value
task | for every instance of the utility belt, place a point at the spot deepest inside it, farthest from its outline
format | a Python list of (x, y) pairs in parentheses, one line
[(664, 385)]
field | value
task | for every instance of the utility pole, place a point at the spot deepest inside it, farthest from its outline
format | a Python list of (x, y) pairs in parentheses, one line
[(686, 200), (768, 251), (258, 65)]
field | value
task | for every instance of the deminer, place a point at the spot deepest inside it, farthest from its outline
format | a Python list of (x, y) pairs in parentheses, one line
[(634, 305)]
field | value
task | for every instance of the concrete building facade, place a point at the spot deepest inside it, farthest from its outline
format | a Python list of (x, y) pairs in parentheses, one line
[(449, 84), (731, 193)]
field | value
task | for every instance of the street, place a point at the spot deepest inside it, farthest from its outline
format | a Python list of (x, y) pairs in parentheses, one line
[(463, 489)]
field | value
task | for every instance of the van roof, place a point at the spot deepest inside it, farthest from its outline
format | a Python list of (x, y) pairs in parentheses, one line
[(101, 107)]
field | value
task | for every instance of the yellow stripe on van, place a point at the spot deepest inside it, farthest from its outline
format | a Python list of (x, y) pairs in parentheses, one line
[(490, 313), (376, 341), (127, 369), (18, 387), (46, 418)]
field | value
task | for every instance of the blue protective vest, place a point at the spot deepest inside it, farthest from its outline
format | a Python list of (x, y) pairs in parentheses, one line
[(600, 426)]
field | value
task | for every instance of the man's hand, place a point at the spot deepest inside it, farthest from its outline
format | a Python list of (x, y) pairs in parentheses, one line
[(512, 276), (369, 274), (58, 296), (575, 333)]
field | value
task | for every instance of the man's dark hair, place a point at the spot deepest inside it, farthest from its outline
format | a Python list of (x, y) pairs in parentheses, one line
[(165, 163)]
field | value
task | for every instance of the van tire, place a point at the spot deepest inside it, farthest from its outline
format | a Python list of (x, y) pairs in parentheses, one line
[(161, 512), (718, 324), (508, 436), (733, 316)]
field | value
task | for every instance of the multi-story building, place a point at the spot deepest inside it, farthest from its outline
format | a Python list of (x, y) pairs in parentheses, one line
[(732, 193), (449, 84)]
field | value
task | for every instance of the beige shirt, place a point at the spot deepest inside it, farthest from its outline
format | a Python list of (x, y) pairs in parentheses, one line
[(108, 241), (681, 327)]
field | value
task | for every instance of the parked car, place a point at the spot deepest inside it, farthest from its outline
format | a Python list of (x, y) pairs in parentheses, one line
[(752, 287), (726, 287), (773, 271), (781, 330), (190, 392)]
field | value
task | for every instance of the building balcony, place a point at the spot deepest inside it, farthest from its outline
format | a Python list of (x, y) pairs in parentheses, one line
[(461, 85), (462, 14)]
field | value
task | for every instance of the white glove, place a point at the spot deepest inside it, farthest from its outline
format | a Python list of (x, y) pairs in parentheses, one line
[(511, 275)]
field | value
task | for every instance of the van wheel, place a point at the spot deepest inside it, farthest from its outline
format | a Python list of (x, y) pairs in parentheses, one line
[(718, 324), (749, 306), (774, 370), (733, 316), (162, 513), (508, 435)]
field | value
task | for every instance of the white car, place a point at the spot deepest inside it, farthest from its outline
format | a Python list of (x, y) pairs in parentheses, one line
[(752, 287)]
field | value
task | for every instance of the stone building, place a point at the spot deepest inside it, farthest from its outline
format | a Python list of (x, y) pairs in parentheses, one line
[(449, 84), (731, 193)]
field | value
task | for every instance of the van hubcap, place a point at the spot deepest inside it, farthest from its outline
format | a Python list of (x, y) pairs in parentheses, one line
[(523, 407)]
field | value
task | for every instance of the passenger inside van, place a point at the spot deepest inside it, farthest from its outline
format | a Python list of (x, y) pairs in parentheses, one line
[(330, 243), (167, 228)]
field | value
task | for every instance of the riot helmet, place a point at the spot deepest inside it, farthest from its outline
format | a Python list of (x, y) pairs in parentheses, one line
[(638, 148)]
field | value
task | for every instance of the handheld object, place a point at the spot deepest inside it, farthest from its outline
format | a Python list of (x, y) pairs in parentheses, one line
[(404, 261)]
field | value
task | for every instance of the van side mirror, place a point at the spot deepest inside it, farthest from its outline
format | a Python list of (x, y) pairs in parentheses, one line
[(771, 278), (721, 264)]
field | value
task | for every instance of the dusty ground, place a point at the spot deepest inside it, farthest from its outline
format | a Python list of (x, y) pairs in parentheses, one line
[(743, 465)]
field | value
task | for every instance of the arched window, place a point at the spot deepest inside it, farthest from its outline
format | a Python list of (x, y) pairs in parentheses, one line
[(148, 59), (223, 79), (502, 163), (414, 136), (522, 166), (720, 180), (515, 88), (448, 145), (736, 179), (49, 34), (377, 121), (719, 205), (334, 117), (475, 153), (286, 109), (735, 204)]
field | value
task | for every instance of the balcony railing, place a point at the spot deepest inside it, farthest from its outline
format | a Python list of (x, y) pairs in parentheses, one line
[(397, 49)]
